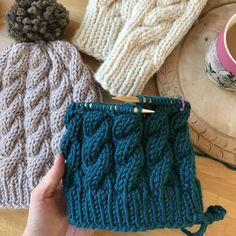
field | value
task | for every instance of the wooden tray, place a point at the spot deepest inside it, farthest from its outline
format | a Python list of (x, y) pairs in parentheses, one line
[(213, 117)]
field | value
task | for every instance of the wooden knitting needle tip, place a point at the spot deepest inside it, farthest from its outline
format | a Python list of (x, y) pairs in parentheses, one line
[(132, 100), (126, 99), (136, 110)]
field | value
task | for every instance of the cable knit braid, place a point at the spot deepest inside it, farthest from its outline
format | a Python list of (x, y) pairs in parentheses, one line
[(160, 158), (64, 78), (182, 147), (129, 161), (96, 160), (36, 89), (37, 126), (72, 178), (96, 150), (39, 79), (38, 83), (13, 73), (147, 38), (101, 25), (61, 87), (129, 154), (132, 172)]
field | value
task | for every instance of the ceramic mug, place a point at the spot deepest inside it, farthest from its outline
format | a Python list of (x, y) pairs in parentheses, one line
[(220, 61)]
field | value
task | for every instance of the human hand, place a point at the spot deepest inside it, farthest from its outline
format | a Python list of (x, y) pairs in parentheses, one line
[(47, 211)]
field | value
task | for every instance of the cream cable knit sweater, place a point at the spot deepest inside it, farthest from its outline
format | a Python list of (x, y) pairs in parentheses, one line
[(101, 25), (38, 81), (147, 38)]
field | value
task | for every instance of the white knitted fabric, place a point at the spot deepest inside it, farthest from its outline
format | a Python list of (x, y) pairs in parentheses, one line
[(147, 38), (37, 84), (101, 25)]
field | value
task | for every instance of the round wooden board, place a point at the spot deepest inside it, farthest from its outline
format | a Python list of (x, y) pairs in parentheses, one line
[(212, 121)]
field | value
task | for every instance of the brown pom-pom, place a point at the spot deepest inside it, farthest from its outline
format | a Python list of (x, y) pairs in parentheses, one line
[(37, 20)]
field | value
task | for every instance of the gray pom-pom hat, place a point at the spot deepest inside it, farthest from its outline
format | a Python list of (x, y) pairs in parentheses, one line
[(40, 76)]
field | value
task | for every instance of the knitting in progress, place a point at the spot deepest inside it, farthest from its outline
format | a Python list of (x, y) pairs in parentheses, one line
[(129, 171), (134, 38), (40, 76)]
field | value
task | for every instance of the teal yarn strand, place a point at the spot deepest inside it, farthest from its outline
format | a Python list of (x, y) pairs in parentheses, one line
[(213, 213), (132, 172)]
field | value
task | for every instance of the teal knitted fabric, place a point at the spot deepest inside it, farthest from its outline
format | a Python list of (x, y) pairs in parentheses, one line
[(129, 171)]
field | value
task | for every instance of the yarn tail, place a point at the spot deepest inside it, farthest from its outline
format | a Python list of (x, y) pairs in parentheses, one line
[(213, 213)]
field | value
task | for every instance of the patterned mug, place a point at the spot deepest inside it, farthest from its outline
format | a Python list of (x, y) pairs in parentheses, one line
[(220, 61)]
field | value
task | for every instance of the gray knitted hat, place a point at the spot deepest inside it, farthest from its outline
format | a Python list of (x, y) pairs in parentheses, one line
[(40, 76)]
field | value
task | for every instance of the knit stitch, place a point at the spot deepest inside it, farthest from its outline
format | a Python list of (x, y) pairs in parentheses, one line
[(38, 81), (147, 38), (101, 25), (37, 84), (132, 172)]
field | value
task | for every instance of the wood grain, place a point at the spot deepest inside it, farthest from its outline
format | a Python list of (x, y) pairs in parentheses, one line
[(219, 183), (212, 121)]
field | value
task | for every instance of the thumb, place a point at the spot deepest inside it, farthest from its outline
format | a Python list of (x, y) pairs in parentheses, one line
[(48, 186)]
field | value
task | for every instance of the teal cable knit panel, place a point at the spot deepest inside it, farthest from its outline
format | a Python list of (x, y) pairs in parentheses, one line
[(129, 171)]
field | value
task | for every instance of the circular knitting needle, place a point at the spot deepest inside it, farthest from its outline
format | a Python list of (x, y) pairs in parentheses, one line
[(126, 99), (132, 100)]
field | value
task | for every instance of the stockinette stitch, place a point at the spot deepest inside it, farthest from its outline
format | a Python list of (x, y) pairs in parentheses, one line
[(40, 76), (132, 172), (101, 25), (146, 39)]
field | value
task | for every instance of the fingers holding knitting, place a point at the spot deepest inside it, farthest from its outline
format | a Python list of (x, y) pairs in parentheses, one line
[(50, 182)]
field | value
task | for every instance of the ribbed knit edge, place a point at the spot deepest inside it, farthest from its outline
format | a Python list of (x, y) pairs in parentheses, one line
[(132, 80), (15, 192), (109, 211), (98, 31)]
